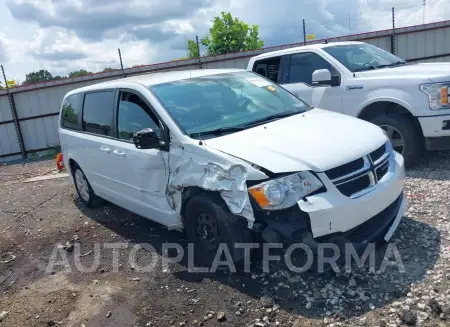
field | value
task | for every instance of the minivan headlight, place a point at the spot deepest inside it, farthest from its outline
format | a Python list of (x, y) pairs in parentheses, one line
[(437, 95), (284, 192)]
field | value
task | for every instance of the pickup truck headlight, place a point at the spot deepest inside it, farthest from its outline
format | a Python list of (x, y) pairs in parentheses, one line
[(284, 192), (437, 94)]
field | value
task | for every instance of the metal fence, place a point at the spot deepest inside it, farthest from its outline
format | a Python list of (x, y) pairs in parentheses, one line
[(33, 129)]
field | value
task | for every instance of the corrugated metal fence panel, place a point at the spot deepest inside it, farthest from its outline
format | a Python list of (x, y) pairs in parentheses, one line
[(381, 42), (8, 139), (5, 110), (46, 100), (424, 43), (40, 133), (240, 63)]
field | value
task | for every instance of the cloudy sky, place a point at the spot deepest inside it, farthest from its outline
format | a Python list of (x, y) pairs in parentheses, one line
[(66, 35)]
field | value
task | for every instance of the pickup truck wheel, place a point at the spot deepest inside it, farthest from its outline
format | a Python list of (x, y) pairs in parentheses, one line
[(84, 189), (404, 135), (208, 223)]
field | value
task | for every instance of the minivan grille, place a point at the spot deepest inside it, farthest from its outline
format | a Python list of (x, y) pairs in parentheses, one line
[(359, 176), (345, 169), (354, 186), (378, 153)]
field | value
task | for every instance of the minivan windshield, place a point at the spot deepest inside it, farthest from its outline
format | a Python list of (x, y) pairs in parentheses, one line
[(361, 57), (225, 103)]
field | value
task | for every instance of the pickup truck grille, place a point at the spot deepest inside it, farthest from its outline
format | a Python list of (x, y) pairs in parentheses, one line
[(360, 176)]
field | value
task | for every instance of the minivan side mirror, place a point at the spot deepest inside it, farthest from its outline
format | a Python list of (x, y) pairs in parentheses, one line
[(146, 139), (323, 77)]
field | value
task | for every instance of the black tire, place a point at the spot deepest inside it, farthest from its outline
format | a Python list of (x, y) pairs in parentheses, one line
[(407, 129), (87, 196), (231, 229)]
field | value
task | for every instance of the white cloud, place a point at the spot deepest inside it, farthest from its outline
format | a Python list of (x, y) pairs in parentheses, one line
[(66, 35)]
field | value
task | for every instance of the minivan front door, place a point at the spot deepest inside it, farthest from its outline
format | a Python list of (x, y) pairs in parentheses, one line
[(297, 78), (140, 175)]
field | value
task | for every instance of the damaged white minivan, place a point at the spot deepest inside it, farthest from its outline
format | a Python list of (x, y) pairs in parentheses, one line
[(228, 155)]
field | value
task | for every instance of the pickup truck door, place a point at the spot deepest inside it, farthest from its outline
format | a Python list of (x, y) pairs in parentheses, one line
[(296, 76)]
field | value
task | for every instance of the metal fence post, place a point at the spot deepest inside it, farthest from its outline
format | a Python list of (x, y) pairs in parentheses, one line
[(198, 50), (304, 32), (393, 31), (15, 118)]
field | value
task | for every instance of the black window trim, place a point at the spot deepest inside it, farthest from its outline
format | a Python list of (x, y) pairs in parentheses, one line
[(82, 112), (165, 135), (287, 63), (279, 77), (80, 120)]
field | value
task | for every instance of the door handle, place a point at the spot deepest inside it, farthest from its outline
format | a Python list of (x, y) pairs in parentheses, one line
[(105, 149), (119, 153)]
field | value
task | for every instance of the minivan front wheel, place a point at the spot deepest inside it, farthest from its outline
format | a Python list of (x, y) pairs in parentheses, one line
[(405, 136), (84, 189), (210, 226)]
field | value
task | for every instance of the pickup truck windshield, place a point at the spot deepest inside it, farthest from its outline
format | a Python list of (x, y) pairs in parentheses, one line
[(361, 57), (225, 103)]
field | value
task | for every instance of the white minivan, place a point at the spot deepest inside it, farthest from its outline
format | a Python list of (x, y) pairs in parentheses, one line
[(227, 155)]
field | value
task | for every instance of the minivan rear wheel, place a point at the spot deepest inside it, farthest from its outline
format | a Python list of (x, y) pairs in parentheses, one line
[(84, 189), (208, 223)]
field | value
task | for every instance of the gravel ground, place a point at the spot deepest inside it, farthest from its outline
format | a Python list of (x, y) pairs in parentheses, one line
[(34, 217)]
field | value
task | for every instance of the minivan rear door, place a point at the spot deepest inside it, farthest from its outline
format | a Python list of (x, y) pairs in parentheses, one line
[(94, 145)]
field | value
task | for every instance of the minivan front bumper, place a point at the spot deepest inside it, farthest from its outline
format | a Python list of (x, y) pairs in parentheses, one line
[(332, 212)]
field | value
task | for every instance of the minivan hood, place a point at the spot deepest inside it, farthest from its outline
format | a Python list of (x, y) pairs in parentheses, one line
[(315, 140), (436, 72)]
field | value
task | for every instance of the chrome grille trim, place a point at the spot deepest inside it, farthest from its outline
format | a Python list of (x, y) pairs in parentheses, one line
[(369, 169)]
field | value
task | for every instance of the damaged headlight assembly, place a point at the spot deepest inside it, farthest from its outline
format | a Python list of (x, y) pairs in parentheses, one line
[(284, 192)]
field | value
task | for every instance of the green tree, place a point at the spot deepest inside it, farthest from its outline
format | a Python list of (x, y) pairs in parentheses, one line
[(193, 50), (39, 76), (107, 69), (1, 86), (230, 34), (79, 73)]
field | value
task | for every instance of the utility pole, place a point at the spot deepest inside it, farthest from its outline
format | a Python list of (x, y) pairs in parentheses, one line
[(304, 32), (424, 4), (121, 63), (12, 105), (393, 31), (198, 50)]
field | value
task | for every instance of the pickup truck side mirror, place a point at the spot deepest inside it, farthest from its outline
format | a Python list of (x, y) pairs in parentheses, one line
[(146, 139), (323, 77)]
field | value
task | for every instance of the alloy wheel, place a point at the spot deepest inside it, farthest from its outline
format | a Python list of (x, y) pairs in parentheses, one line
[(397, 139)]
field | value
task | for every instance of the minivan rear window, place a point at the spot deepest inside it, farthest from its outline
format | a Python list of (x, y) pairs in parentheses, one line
[(98, 112), (71, 112)]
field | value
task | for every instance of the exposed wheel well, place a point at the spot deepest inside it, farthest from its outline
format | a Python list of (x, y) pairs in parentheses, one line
[(188, 193), (381, 108), (72, 164)]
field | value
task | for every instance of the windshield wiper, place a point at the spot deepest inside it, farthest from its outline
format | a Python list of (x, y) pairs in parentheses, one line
[(362, 69), (218, 131), (272, 117), (398, 63)]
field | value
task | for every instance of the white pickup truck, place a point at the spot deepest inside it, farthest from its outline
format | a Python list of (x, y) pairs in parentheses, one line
[(409, 101)]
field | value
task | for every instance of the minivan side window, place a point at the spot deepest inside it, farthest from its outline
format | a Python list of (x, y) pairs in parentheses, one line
[(134, 115), (98, 112), (71, 112), (304, 64)]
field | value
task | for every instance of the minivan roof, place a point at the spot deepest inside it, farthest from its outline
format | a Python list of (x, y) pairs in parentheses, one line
[(153, 79)]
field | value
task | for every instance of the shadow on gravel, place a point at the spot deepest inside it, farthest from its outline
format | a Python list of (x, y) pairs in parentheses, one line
[(341, 294)]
